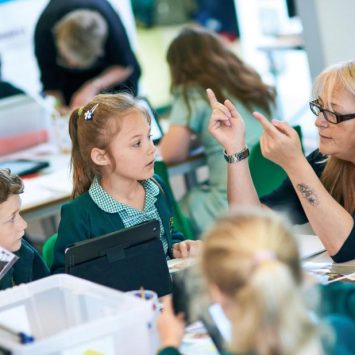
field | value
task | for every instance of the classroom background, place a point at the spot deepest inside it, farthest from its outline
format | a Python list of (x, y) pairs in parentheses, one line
[(287, 42)]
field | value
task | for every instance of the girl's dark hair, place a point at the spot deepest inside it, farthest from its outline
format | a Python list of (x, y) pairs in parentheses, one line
[(198, 57), (9, 184), (96, 132)]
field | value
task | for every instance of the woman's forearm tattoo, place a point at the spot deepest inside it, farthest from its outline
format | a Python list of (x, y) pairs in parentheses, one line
[(308, 194)]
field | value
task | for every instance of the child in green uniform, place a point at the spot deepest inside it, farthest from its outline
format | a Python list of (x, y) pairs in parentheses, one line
[(29, 266), (113, 183)]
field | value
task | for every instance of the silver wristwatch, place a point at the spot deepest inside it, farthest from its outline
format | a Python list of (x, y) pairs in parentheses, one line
[(234, 158)]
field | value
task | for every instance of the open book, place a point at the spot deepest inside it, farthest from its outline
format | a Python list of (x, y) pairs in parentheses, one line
[(309, 245)]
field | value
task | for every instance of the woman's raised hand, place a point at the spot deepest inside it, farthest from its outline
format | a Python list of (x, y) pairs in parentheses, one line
[(279, 143), (226, 124)]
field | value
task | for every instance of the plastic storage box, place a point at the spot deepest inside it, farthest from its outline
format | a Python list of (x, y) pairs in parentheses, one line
[(67, 315), (25, 122)]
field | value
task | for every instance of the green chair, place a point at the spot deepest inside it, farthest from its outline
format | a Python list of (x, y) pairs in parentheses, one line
[(48, 249), (266, 175), (182, 223)]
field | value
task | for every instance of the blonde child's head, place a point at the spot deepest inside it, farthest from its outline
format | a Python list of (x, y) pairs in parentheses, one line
[(94, 126), (12, 225), (251, 263)]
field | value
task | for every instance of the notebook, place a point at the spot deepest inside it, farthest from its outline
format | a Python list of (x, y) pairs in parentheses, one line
[(126, 260)]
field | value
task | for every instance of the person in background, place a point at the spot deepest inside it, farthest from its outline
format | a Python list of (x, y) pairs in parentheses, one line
[(30, 265), (113, 184), (82, 49), (320, 189), (199, 59), (250, 264)]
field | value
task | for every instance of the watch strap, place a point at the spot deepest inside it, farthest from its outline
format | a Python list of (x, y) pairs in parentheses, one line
[(236, 157)]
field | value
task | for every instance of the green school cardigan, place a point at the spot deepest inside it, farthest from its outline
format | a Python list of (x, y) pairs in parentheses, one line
[(82, 219)]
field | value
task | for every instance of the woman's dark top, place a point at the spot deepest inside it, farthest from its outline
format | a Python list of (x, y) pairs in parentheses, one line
[(285, 199)]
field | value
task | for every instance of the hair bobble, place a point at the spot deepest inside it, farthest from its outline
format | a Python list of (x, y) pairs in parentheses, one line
[(80, 111), (262, 256)]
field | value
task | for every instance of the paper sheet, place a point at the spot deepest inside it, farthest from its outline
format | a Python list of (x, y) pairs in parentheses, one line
[(309, 245)]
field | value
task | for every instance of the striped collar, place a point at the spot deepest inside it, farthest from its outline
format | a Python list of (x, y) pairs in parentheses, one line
[(108, 204)]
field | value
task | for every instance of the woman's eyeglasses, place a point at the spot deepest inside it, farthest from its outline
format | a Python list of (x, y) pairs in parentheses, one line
[(330, 116)]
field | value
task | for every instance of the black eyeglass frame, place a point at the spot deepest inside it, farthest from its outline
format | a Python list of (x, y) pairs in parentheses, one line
[(339, 118)]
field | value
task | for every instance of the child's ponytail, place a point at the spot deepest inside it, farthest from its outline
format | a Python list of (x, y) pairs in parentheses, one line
[(252, 258), (82, 174), (271, 312)]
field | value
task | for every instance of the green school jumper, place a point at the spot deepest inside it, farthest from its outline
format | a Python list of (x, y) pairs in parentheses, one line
[(82, 219)]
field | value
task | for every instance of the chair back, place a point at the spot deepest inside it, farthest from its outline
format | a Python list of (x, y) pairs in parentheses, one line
[(266, 175), (48, 250), (182, 223)]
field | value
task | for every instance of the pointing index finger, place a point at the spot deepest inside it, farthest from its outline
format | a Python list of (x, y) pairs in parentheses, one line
[(211, 97), (268, 126)]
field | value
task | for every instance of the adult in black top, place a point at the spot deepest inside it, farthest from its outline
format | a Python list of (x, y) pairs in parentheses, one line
[(285, 200), (321, 192), (116, 69)]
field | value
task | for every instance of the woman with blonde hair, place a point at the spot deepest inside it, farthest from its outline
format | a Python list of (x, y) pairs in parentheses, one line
[(199, 59), (320, 189), (250, 264)]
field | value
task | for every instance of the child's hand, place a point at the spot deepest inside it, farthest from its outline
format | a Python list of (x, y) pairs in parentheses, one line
[(187, 249), (170, 326)]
